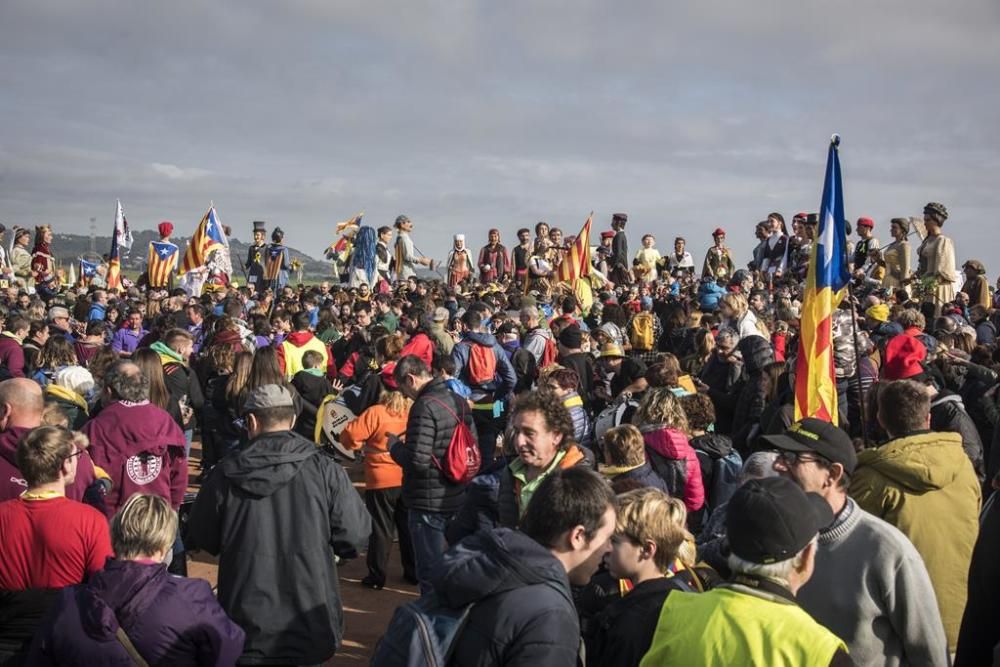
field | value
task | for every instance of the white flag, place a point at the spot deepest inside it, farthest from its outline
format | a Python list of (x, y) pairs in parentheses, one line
[(122, 231)]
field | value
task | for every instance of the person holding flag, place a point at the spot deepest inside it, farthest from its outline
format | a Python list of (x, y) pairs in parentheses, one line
[(121, 239), (208, 237), (278, 262), (162, 260), (825, 288)]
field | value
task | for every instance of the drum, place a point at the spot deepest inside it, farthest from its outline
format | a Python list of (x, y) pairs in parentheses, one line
[(334, 416)]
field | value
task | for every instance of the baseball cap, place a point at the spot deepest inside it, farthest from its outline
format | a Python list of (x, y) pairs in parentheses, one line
[(441, 314), (821, 437), (268, 396), (770, 520)]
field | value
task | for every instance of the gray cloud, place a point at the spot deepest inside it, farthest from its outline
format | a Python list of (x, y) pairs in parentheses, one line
[(467, 115)]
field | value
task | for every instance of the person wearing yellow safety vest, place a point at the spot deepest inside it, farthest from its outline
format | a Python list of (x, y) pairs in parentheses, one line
[(297, 344), (753, 618)]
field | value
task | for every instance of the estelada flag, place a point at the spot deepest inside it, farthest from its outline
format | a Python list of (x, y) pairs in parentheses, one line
[(275, 261), (826, 283), (208, 236), (576, 261), (162, 262)]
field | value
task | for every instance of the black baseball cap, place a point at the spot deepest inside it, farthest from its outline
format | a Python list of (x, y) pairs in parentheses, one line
[(821, 437), (770, 520)]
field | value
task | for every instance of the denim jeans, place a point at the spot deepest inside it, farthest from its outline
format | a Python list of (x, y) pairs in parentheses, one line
[(429, 543)]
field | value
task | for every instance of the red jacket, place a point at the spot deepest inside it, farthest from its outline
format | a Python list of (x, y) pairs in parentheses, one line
[(421, 346), (141, 448), (298, 339)]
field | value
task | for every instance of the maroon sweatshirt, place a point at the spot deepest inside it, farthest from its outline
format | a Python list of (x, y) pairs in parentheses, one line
[(12, 484), (142, 449)]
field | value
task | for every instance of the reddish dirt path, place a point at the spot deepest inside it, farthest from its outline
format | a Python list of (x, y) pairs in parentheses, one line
[(366, 612)]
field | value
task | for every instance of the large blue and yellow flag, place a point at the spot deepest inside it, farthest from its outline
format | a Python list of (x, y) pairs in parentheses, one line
[(207, 237), (826, 283), (162, 261)]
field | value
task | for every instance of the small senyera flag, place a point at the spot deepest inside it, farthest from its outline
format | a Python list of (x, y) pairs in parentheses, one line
[(576, 261), (826, 282), (87, 271), (207, 237), (162, 262)]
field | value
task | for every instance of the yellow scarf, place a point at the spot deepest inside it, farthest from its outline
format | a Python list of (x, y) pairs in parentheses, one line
[(69, 395)]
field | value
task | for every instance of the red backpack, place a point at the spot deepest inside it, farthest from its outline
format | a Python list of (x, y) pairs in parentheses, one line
[(482, 366), (462, 458), (549, 354)]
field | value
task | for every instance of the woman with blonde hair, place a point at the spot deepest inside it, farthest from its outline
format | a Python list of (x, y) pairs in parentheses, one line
[(133, 611), (373, 431), (736, 314), (664, 426)]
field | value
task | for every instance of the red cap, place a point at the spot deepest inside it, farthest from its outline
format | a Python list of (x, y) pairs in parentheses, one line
[(801, 215), (866, 222), (719, 231), (607, 235), (903, 355), (166, 228)]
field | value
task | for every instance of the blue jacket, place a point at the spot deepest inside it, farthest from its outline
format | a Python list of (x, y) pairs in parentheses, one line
[(505, 379), (709, 293), (96, 312)]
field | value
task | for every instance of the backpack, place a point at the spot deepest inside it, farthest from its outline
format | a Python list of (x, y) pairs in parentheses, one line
[(722, 478), (462, 459), (549, 354), (641, 332), (422, 633), (482, 366)]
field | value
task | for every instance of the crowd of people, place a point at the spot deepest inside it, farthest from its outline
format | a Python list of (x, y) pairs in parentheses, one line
[(609, 476)]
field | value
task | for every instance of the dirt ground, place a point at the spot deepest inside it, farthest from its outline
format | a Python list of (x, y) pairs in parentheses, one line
[(366, 612)]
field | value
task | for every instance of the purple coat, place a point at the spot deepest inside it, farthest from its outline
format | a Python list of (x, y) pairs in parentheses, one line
[(170, 620)]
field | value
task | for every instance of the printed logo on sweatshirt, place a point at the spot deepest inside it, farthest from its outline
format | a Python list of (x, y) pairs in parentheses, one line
[(143, 468)]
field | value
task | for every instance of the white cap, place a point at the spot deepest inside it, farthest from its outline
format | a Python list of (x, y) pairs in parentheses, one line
[(459, 237)]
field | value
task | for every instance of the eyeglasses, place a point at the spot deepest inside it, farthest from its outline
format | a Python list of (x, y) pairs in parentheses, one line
[(796, 458), (78, 452)]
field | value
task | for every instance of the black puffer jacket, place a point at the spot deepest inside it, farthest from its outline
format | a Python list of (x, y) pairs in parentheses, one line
[(757, 354), (428, 433), (523, 613), (948, 414)]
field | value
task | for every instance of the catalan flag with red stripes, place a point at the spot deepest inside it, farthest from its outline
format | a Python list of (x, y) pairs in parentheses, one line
[(826, 282), (161, 263), (207, 237), (576, 261), (277, 260)]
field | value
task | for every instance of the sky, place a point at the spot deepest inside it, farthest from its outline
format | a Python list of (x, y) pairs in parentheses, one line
[(469, 115)]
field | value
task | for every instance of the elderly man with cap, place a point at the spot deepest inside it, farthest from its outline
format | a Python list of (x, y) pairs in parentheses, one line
[(976, 285), (936, 260), (255, 264), (921, 482), (162, 259), (718, 263), (277, 513), (754, 618), (883, 616), (405, 253)]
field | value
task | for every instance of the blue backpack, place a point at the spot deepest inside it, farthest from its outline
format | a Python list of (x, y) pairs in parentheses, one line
[(421, 633), (721, 477)]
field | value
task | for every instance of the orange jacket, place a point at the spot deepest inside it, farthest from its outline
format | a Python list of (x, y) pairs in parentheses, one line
[(369, 431)]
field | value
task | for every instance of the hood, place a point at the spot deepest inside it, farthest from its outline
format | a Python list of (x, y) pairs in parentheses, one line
[(667, 442), (227, 337), (299, 338), (921, 462), (481, 338), (716, 445), (167, 356), (8, 443), (757, 353), (124, 590), (540, 331), (511, 346), (492, 562), (268, 462)]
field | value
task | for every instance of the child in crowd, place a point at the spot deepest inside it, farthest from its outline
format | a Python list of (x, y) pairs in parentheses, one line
[(313, 387)]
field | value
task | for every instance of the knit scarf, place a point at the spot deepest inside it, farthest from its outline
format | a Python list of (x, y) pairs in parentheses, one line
[(167, 356), (67, 395)]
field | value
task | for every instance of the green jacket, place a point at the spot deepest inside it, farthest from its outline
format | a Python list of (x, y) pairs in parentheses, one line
[(925, 485)]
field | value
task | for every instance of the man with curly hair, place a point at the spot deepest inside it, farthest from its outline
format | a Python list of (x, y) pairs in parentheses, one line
[(541, 433)]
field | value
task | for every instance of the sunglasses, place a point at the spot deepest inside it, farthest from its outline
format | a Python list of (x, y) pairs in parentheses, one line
[(796, 458)]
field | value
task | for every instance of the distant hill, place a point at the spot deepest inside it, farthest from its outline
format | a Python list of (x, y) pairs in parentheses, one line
[(68, 247)]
